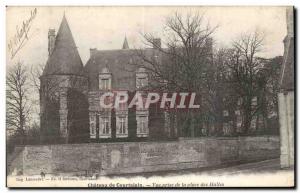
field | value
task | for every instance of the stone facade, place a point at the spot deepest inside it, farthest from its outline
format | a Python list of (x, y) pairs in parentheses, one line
[(110, 71)]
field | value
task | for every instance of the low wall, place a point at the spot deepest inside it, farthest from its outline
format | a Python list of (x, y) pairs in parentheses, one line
[(135, 157)]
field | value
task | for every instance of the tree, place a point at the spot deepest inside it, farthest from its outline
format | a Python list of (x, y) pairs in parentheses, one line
[(182, 65), (245, 74), (17, 99), (219, 93), (272, 72), (270, 87)]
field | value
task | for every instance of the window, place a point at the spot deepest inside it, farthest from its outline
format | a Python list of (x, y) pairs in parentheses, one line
[(225, 128), (238, 112), (92, 126), (122, 106), (253, 123), (93, 131), (105, 79), (239, 125), (240, 101), (225, 113), (141, 78), (105, 84), (121, 130), (105, 126), (228, 74), (141, 82), (254, 101), (122, 126), (97, 124), (142, 125)]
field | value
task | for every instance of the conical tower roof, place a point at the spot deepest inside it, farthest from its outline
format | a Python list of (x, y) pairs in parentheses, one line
[(125, 44), (65, 58)]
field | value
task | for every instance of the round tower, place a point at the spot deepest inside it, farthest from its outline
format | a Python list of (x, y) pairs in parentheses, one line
[(64, 86)]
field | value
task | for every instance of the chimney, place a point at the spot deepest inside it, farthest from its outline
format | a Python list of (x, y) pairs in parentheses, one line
[(93, 51), (290, 21), (156, 43), (51, 40)]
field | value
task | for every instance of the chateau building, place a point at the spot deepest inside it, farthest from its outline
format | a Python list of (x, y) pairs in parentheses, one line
[(70, 96), (70, 92)]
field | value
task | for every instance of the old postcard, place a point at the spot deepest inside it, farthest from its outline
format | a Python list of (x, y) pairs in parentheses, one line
[(150, 96)]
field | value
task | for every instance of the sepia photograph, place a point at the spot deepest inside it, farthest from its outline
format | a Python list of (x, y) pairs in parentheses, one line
[(150, 96)]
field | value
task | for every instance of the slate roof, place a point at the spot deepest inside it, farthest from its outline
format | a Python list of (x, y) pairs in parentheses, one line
[(120, 63), (287, 72), (65, 58)]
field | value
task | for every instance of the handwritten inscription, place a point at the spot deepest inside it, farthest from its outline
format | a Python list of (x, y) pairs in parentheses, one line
[(21, 36)]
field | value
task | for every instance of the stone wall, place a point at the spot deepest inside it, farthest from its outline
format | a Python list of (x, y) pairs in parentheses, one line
[(135, 157)]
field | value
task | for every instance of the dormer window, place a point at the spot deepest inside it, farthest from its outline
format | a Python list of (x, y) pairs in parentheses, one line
[(105, 84), (141, 78), (141, 82), (105, 79)]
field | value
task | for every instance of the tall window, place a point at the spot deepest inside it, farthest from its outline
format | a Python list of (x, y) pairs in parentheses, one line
[(93, 130), (142, 130), (97, 124), (144, 124), (122, 126), (105, 125), (121, 130), (92, 125), (225, 128)]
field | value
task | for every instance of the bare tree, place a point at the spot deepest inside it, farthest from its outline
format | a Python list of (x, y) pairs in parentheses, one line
[(245, 66), (269, 88), (17, 99), (219, 94), (187, 52), (182, 64)]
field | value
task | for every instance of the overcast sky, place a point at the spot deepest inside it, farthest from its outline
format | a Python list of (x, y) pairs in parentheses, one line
[(105, 27)]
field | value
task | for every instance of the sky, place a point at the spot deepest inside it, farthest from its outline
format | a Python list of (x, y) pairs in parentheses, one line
[(104, 28)]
